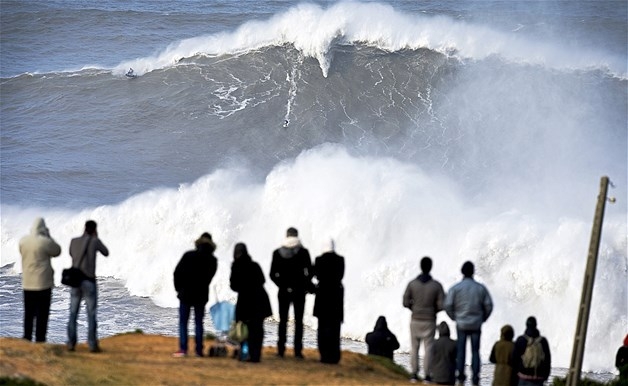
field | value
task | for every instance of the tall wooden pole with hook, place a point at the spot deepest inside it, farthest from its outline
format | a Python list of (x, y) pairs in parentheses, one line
[(575, 368)]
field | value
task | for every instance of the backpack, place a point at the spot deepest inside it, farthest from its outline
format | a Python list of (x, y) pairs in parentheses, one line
[(533, 355)]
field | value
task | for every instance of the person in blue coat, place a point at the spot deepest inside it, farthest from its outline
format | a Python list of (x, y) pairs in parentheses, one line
[(469, 304)]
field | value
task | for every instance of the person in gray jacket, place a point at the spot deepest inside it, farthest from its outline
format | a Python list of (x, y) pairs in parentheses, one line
[(37, 278), (83, 250), (469, 304), (424, 296)]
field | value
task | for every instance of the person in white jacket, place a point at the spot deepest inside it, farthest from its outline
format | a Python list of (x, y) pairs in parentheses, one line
[(37, 249)]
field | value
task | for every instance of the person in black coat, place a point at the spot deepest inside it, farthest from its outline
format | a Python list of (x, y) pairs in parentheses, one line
[(253, 305), (621, 361), (291, 270), (381, 341), (192, 276), (329, 269)]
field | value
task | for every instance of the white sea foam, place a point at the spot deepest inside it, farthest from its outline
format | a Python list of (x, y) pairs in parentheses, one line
[(384, 215), (313, 30)]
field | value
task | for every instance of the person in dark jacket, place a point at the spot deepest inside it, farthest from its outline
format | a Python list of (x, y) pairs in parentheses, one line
[(621, 361), (192, 277), (502, 356), (444, 351), (538, 374), (329, 269), (381, 341), (253, 305), (291, 271)]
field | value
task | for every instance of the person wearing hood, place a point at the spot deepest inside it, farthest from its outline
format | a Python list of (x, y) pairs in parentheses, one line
[(424, 296), (37, 248), (532, 356), (253, 305), (502, 356), (291, 271), (192, 277), (381, 341), (444, 350), (329, 269), (469, 304)]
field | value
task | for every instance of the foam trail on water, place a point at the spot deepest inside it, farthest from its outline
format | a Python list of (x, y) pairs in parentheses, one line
[(383, 223), (314, 30)]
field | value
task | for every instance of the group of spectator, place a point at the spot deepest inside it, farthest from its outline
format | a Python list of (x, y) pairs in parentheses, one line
[(526, 361), (295, 276), (37, 248)]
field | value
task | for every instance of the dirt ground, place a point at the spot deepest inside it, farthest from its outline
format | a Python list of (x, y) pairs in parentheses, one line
[(139, 359)]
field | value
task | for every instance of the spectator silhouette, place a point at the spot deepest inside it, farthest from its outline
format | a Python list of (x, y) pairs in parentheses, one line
[(538, 369), (192, 277), (329, 268), (381, 341), (291, 271), (502, 354), (85, 246), (253, 305), (621, 361), (37, 248), (443, 356), (424, 296), (469, 304)]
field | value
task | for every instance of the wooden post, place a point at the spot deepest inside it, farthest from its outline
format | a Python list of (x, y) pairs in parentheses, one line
[(573, 377)]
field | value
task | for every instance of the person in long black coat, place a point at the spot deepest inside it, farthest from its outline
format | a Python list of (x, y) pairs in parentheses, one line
[(253, 305), (329, 269)]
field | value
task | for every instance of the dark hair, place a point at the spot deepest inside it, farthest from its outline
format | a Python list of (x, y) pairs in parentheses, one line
[(240, 252), (292, 232), (90, 227), (467, 269), (426, 264)]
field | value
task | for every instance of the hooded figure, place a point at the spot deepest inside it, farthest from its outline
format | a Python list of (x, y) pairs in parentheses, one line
[(253, 305), (381, 341), (502, 356), (291, 271), (443, 356), (192, 277), (539, 372), (37, 249)]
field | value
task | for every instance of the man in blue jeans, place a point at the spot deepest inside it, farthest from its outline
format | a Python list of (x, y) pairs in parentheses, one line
[(469, 304), (83, 251), (192, 277)]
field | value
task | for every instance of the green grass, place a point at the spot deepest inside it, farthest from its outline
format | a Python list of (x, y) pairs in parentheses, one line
[(390, 365)]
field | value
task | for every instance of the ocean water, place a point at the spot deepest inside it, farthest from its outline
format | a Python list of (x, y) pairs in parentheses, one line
[(473, 130)]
